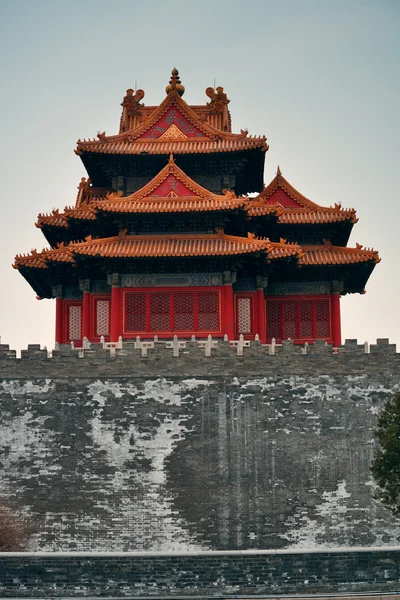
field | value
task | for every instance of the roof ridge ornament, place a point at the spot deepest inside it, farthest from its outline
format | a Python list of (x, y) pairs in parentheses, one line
[(132, 110), (218, 100), (175, 83), (83, 191), (229, 193), (278, 171)]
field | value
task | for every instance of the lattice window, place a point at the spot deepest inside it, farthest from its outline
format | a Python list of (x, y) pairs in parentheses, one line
[(184, 312), (289, 319), (306, 319), (160, 313), (298, 319), (208, 311), (244, 315), (322, 318), (102, 317), (274, 311), (74, 322), (135, 312)]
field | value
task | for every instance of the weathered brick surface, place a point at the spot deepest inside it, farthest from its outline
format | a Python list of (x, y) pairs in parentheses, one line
[(200, 575), (195, 452)]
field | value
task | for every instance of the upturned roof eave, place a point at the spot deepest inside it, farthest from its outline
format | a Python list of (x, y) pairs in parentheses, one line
[(173, 98)]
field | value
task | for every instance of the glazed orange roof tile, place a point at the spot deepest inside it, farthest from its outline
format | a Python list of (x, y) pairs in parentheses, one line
[(291, 207), (183, 245), (309, 217), (171, 190), (55, 219), (170, 245), (150, 246), (171, 205), (173, 126), (86, 213), (280, 191), (167, 146), (301, 216), (40, 260), (337, 255)]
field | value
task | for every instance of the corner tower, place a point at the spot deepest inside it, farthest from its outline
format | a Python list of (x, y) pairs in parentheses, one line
[(163, 239)]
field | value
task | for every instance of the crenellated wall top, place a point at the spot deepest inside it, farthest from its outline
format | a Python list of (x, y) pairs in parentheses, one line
[(198, 357)]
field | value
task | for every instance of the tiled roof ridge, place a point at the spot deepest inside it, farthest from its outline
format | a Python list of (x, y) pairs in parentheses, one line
[(172, 98), (38, 259), (302, 210), (171, 168), (301, 215), (331, 252), (182, 204), (55, 218), (328, 246), (280, 182), (170, 198), (65, 252), (165, 146), (306, 204), (218, 234), (308, 255)]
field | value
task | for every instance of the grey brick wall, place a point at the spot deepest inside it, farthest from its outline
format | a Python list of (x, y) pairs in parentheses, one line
[(195, 452), (201, 575)]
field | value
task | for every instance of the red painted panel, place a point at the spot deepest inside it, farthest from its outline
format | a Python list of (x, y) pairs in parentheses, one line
[(173, 116), (289, 319), (171, 187), (300, 318), (228, 312), (281, 197), (322, 318), (261, 320), (115, 326), (208, 311), (245, 314), (336, 328), (86, 305), (168, 311), (101, 317), (306, 318), (160, 312), (59, 320), (274, 312), (184, 311), (135, 311), (72, 321)]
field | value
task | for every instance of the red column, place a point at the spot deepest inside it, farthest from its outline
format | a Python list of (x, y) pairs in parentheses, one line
[(115, 330), (228, 325), (261, 322), (86, 315), (335, 315), (59, 320)]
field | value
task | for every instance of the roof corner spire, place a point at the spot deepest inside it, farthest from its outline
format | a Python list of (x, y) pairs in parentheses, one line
[(175, 83), (171, 159), (278, 171)]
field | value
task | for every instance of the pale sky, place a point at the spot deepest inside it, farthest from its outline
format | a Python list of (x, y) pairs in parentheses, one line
[(319, 78)]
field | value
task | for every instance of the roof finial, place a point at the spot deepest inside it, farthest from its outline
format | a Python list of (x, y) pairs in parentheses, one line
[(175, 83), (278, 171), (171, 159)]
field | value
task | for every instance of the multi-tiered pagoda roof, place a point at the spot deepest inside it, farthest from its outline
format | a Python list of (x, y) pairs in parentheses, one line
[(168, 197)]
